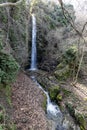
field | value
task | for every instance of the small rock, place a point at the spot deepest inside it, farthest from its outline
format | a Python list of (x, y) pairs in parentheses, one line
[(24, 120)]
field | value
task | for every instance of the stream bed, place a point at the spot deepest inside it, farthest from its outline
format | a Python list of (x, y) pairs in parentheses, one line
[(56, 119)]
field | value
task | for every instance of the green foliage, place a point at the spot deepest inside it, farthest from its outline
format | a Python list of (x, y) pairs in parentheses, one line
[(12, 35), (2, 114), (52, 16), (70, 55), (81, 121), (3, 16), (8, 68), (79, 118), (66, 93), (59, 97), (4, 124), (1, 127), (62, 72), (8, 94), (68, 65), (11, 126), (70, 58), (1, 117), (70, 109)]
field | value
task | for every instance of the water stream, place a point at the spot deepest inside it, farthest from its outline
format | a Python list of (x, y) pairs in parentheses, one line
[(33, 50), (52, 109), (53, 112)]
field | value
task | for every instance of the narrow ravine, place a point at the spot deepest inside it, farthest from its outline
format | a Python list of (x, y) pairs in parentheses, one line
[(53, 111)]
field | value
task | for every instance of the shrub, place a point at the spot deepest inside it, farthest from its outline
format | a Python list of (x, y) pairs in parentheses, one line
[(8, 68), (70, 55), (68, 65)]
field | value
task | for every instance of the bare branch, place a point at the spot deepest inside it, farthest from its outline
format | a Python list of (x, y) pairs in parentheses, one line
[(70, 21), (10, 3), (84, 27)]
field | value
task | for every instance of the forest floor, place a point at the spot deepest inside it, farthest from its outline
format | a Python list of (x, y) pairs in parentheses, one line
[(25, 110), (27, 102)]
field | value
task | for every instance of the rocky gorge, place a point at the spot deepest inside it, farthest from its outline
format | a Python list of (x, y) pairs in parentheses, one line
[(59, 49)]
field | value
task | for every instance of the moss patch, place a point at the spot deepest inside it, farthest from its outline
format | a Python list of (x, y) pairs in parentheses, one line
[(44, 103), (53, 92), (62, 73), (79, 118), (68, 65), (59, 97), (8, 68)]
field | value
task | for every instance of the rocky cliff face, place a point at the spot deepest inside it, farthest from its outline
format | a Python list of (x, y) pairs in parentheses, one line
[(54, 33), (13, 25)]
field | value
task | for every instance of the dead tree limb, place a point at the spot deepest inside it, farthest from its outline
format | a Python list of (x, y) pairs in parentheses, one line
[(10, 3)]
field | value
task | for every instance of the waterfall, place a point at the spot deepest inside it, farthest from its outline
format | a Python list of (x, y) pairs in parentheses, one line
[(53, 110), (33, 50)]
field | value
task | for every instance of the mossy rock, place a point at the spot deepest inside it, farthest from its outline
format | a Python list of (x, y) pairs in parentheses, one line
[(59, 97), (70, 55), (53, 92), (62, 73), (81, 121), (44, 103), (60, 66)]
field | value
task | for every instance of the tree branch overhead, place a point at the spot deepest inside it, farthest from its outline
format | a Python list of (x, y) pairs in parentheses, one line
[(10, 3)]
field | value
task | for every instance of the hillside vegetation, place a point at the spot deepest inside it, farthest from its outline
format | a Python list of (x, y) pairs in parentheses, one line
[(61, 63)]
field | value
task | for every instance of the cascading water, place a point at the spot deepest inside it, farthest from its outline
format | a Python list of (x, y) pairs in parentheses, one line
[(53, 110), (33, 51)]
